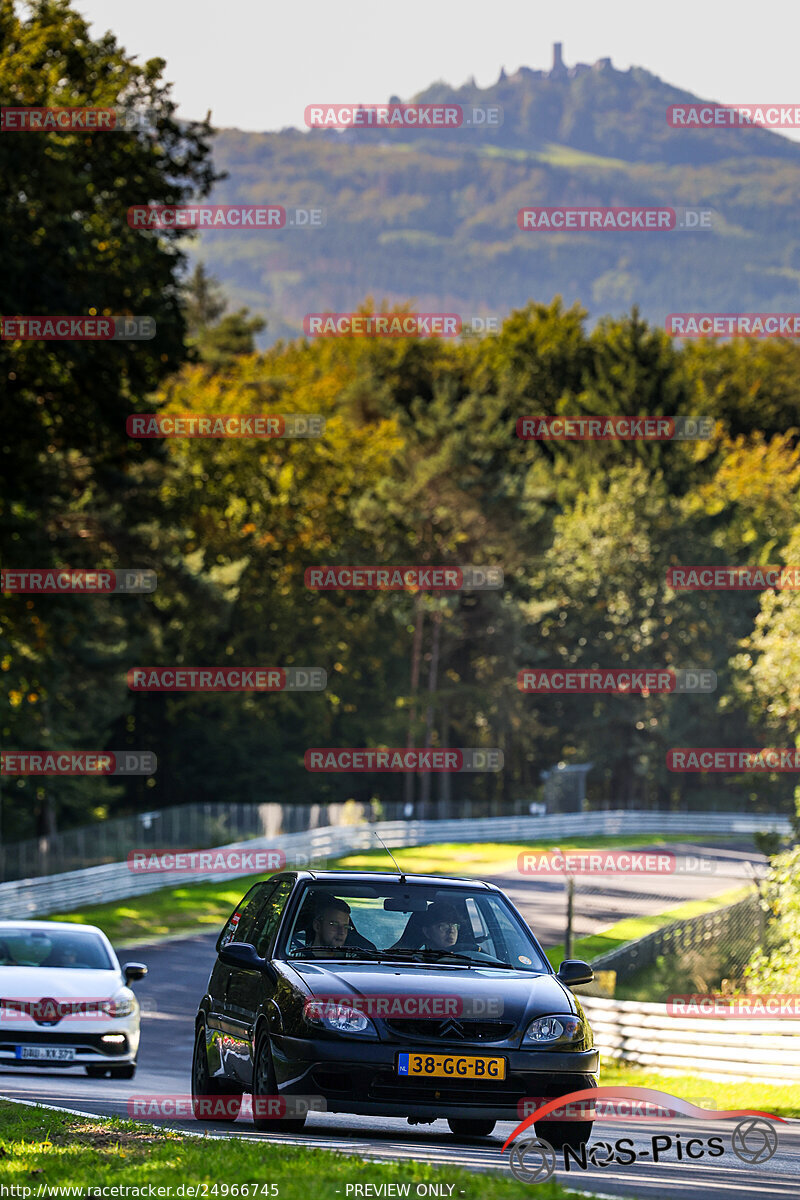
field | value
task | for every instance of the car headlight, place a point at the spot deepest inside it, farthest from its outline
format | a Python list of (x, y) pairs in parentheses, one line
[(120, 1006), (341, 1018), (551, 1031)]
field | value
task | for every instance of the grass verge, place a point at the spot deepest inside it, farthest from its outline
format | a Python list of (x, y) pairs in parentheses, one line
[(204, 907), (44, 1149), (635, 927), (781, 1099)]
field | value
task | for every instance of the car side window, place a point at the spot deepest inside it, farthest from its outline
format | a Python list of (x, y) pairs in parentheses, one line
[(269, 916), (479, 929), (241, 923)]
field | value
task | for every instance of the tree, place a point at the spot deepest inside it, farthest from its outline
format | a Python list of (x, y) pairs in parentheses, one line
[(74, 489), (218, 340)]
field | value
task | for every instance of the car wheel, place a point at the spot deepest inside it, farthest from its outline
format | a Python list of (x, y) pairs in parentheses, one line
[(564, 1133), (96, 1072), (204, 1088), (265, 1088), (567, 1133), (126, 1071), (470, 1126)]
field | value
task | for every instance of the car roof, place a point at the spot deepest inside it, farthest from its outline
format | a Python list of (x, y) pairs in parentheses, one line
[(63, 926), (392, 876)]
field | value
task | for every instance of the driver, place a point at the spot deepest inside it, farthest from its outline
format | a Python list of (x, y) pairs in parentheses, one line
[(440, 927), (331, 924), (63, 954)]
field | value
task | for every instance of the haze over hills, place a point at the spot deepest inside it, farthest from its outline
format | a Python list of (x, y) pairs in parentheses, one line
[(431, 216)]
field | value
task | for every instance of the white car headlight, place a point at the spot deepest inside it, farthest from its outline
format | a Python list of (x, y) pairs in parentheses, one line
[(341, 1018), (548, 1031), (122, 1005)]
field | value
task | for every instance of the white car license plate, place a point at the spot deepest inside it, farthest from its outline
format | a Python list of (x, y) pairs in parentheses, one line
[(46, 1053)]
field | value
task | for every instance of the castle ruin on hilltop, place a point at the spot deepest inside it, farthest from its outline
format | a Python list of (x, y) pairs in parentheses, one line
[(558, 69)]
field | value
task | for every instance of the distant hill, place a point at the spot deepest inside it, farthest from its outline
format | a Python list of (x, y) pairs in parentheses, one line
[(431, 216)]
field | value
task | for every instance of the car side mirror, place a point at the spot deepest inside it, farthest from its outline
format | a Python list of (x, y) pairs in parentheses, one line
[(245, 956), (574, 971), (132, 971)]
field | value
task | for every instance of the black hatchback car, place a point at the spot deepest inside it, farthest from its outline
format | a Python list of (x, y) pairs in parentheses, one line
[(388, 994)]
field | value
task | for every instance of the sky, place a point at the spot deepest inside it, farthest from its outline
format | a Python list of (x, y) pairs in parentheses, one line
[(257, 64)]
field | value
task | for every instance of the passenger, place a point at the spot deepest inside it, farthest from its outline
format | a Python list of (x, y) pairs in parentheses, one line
[(440, 927)]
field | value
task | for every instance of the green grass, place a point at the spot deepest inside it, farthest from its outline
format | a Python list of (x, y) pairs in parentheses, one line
[(49, 1149), (781, 1099), (475, 858), (191, 908), (204, 907), (635, 927), (555, 155)]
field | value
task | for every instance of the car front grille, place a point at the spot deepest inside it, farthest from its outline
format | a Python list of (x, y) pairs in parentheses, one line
[(452, 1030), (83, 1043)]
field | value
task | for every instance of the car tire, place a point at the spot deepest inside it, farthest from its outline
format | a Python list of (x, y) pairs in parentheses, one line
[(96, 1072), (203, 1086), (470, 1126), (265, 1085), (564, 1133), (125, 1071)]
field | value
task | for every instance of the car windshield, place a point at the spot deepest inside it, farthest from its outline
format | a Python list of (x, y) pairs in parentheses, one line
[(410, 922), (80, 951)]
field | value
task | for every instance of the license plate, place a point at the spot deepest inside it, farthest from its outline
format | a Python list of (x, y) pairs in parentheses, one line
[(451, 1066), (46, 1053)]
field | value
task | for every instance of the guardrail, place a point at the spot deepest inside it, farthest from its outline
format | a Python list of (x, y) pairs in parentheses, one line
[(27, 898), (726, 1048)]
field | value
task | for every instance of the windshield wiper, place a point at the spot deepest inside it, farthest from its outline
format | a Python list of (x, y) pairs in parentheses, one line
[(483, 959), (345, 953)]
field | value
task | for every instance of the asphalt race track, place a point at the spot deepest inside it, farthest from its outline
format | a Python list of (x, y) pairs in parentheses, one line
[(178, 973)]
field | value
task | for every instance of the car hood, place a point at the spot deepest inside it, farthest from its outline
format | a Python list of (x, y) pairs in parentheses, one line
[(58, 983), (478, 991)]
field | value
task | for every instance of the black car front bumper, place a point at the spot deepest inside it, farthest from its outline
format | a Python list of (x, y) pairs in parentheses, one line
[(362, 1078)]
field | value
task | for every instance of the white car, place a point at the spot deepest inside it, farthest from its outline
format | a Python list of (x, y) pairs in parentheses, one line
[(65, 1001)]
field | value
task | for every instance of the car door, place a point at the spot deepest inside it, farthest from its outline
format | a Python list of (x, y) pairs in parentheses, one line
[(248, 990), (224, 1049)]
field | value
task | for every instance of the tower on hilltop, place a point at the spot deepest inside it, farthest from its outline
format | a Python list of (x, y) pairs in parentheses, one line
[(558, 61)]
